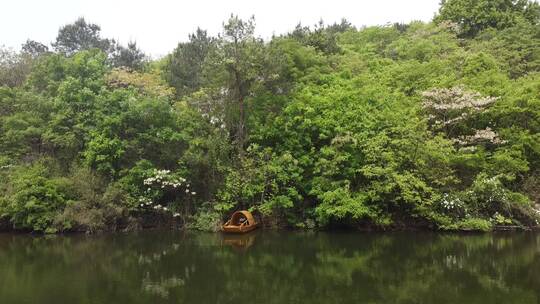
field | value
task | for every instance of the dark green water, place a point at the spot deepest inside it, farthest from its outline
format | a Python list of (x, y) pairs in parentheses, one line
[(270, 267)]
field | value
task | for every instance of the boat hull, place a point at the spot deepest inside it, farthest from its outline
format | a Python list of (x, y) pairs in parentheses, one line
[(238, 229)]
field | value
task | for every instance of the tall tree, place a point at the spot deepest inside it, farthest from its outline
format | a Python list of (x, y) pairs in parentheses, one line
[(14, 67), (243, 54), (473, 16), (34, 48), (79, 36), (184, 66), (322, 37), (131, 56)]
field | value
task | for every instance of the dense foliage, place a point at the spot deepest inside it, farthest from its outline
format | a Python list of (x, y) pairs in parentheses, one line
[(423, 124)]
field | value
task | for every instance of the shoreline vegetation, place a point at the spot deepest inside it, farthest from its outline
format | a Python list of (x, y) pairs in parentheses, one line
[(430, 125), (164, 223)]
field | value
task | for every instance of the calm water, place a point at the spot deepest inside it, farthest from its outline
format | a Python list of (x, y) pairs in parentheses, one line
[(271, 267)]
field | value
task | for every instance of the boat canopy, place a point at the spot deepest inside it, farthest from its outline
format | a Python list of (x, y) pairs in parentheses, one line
[(236, 218)]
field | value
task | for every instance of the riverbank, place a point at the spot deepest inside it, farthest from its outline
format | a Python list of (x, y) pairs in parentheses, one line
[(165, 222)]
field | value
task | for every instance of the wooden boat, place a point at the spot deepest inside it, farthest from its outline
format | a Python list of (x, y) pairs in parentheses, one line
[(240, 222)]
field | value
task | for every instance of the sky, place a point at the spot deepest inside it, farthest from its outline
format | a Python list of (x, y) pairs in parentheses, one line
[(158, 25)]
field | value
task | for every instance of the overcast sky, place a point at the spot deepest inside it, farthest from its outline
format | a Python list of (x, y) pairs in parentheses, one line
[(158, 25)]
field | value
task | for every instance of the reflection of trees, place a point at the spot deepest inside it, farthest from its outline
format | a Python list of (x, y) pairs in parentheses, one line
[(162, 287), (168, 267)]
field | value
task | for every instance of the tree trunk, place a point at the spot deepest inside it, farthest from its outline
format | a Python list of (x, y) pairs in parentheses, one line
[(240, 132)]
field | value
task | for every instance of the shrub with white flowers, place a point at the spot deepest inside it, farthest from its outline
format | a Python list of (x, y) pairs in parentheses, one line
[(488, 199), (489, 191), (449, 108), (163, 184), (453, 205)]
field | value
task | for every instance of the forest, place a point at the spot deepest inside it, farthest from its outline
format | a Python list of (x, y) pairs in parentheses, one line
[(426, 125)]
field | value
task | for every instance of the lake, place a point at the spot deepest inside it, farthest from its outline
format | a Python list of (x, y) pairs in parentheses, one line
[(270, 267)]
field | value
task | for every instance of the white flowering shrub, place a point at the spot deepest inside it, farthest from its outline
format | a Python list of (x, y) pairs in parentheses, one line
[(487, 200), (488, 194), (447, 107), (4, 167), (480, 136), (490, 199), (162, 189), (450, 110), (453, 206)]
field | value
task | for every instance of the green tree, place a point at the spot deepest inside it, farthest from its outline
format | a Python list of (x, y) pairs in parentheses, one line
[(14, 67), (131, 56), (241, 55), (322, 37), (34, 48), (476, 16), (23, 120), (79, 36), (184, 67), (34, 198)]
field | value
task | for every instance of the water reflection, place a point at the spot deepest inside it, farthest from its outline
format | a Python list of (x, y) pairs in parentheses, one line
[(271, 267), (240, 242)]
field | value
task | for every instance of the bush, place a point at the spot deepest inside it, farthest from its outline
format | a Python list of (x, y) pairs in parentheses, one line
[(469, 224), (486, 201), (97, 206), (474, 224), (34, 198), (206, 219), (488, 197)]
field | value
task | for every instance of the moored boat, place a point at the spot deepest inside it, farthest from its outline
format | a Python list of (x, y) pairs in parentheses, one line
[(240, 222)]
